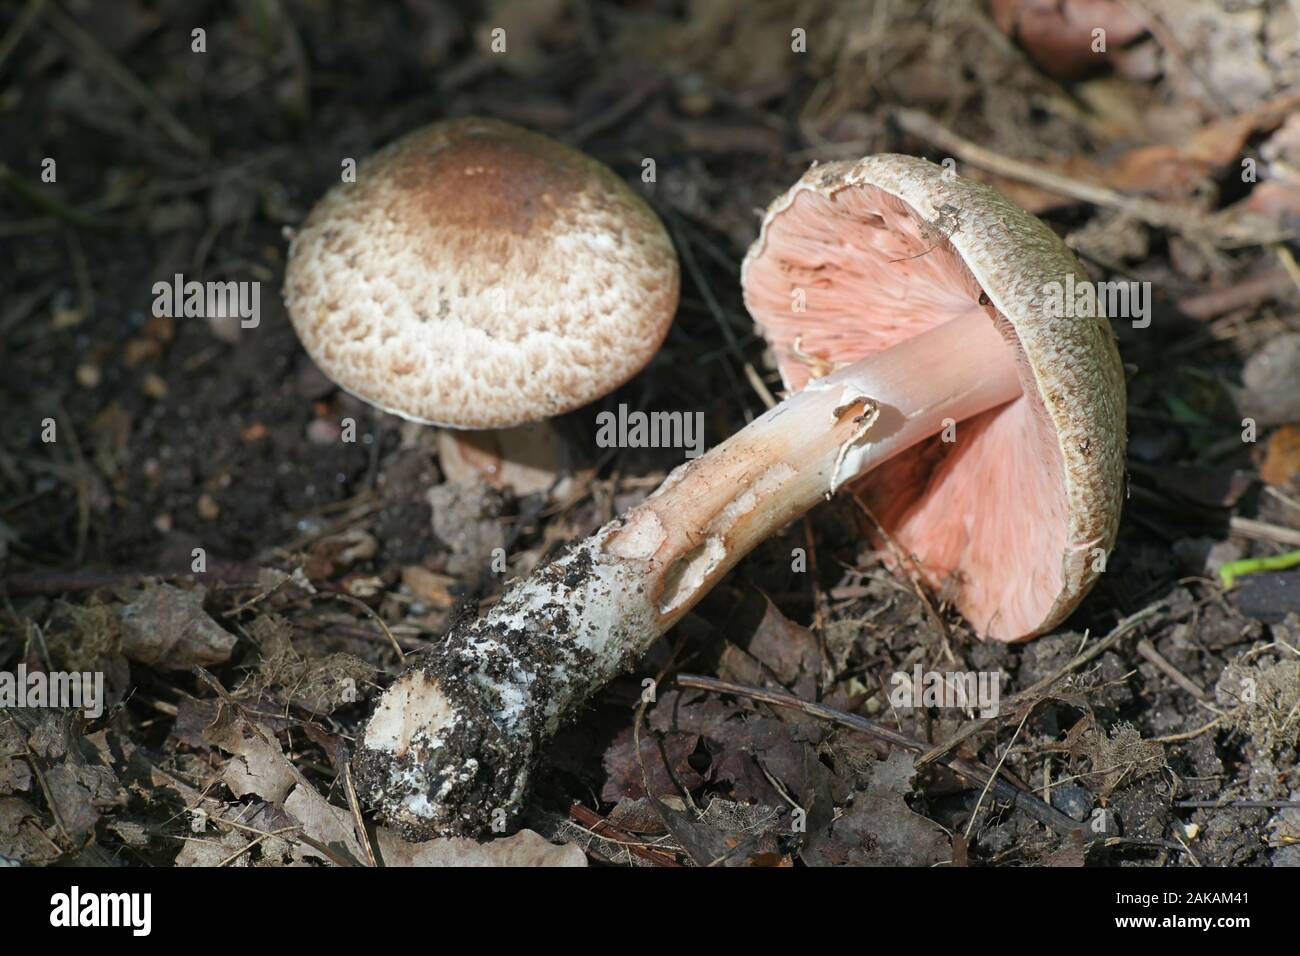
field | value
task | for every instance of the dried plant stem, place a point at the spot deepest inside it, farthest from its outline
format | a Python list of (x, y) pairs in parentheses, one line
[(1228, 229)]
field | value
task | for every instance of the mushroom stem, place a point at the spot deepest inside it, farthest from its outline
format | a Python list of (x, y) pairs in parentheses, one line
[(451, 743)]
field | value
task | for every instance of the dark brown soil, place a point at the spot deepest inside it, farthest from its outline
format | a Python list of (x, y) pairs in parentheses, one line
[(176, 435)]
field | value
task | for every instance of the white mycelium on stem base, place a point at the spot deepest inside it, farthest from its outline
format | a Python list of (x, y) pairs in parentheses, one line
[(928, 289), (452, 740)]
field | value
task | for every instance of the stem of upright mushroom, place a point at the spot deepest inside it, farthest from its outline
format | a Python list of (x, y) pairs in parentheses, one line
[(451, 744)]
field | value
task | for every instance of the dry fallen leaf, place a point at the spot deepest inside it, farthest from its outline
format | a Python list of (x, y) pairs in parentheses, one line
[(214, 851), (259, 767), (15, 774), (666, 761), (467, 518), (1269, 395), (257, 764), (879, 829), (524, 848), (430, 588), (745, 748), (787, 650), (167, 628), (81, 793), (1180, 172), (1059, 34), (1281, 456), (22, 838)]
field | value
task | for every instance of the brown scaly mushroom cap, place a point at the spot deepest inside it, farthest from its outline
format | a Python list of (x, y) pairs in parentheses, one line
[(477, 275), (1017, 512)]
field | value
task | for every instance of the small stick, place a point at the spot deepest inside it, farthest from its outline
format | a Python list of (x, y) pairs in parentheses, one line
[(1285, 499), (104, 63), (975, 772), (19, 27), (616, 112), (57, 580), (970, 824), (1238, 804), (1250, 292), (1032, 692), (249, 847), (355, 806), (37, 198), (1148, 650), (592, 821), (1221, 230), (1289, 265), (1189, 735), (1263, 531), (34, 762), (383, 626)]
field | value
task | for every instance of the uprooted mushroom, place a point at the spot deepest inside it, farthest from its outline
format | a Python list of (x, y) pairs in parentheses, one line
[(901, 300)]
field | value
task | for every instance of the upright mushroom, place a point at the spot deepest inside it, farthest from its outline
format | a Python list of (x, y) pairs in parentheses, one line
[(941, 285), (478, 275)]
